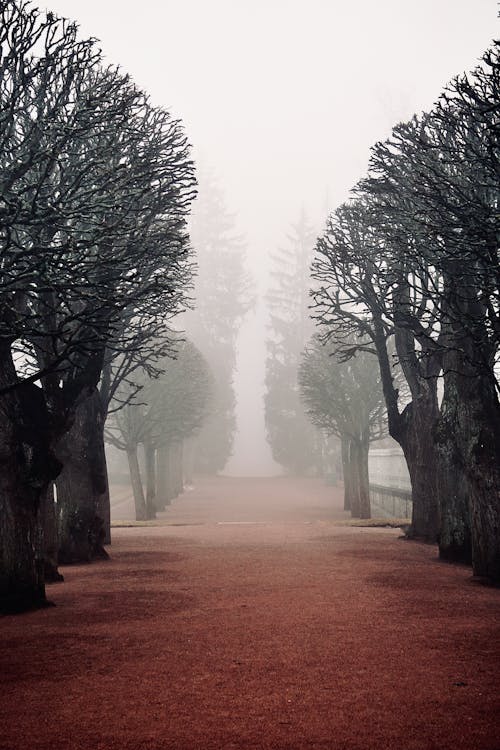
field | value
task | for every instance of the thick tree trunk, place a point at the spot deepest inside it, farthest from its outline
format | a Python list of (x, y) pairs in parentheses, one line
[(455, 536), (477, 435), (357, 487), (361, 459), (150, 463), (27, 467), (413, 429), (81, 484), (136, 481), (22, 580), (469, 431), (50, 537), (415, 434)]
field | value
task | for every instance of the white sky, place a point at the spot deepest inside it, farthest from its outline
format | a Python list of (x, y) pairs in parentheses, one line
[(283, 98)]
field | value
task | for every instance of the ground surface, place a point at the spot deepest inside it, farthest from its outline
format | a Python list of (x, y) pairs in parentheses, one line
[(280, 631)]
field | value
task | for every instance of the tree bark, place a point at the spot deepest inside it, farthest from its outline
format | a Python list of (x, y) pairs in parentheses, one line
[(361, 447), (163, 497), (150, 462), (27, 467), (346, 473), (357, 487), (415, 434), (455, 536), (413, 430), (136, 481), (81, 484), (354, 478), (176, 472), (22, 580), (477, 450), (50, 537)]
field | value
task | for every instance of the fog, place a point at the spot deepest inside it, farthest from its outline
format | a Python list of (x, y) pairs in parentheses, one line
[(283, 99)]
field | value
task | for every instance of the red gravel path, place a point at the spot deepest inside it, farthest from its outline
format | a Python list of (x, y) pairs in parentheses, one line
[(289, 633)]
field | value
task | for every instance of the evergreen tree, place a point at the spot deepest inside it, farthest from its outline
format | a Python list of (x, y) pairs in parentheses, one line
[(295, 443), (222, 298)]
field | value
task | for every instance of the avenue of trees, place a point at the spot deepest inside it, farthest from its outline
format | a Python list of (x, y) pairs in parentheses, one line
[(407, 272), (95, 188)]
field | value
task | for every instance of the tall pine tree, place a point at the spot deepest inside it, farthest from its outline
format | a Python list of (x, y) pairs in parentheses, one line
[(295, 443), (222, 298)]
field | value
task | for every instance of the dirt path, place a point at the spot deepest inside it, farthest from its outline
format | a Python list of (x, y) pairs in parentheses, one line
[(260, 624)]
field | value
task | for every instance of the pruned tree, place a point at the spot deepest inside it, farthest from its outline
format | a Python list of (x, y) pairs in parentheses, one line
[(358, 303), (450, 181), (95, 188), (417, 257)]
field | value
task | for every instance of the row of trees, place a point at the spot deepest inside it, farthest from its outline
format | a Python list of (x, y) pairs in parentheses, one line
[(168, 411), (95, 188), (408, 272)]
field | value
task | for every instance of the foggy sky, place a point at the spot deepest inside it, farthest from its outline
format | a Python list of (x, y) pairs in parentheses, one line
[(283, 98)]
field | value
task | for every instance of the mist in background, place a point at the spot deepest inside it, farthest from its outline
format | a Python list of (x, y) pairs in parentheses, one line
[(283, 99)]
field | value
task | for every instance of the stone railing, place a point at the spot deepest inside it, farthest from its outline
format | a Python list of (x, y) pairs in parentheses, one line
[(390, 501)]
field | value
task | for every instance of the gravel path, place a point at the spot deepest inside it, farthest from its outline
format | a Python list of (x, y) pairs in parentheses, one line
[(256, 620)]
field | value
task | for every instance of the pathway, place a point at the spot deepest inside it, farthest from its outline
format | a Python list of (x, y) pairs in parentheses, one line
[(256, 620)]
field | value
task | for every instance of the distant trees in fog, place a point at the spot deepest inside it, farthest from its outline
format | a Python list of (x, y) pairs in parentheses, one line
[(344, 398), (412, 261), (295, 443), (167, 411), (95, 186), (223, 293)]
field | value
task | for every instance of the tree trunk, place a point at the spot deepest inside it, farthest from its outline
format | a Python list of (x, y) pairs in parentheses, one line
[(27, 467), (176, 468), (150, 462), (354, 478), (360, 448), (477, 439), (50, 537), (22, 581), (81, 484), (415, 434), (413, 429), (163, 493), (356, 481), (455, 537), (346, 473), (136, 481)]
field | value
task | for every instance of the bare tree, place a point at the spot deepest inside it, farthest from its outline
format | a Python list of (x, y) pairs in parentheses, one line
[(345, 399), (420, 261), (95, 187), (359, 301), (168, 410)]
